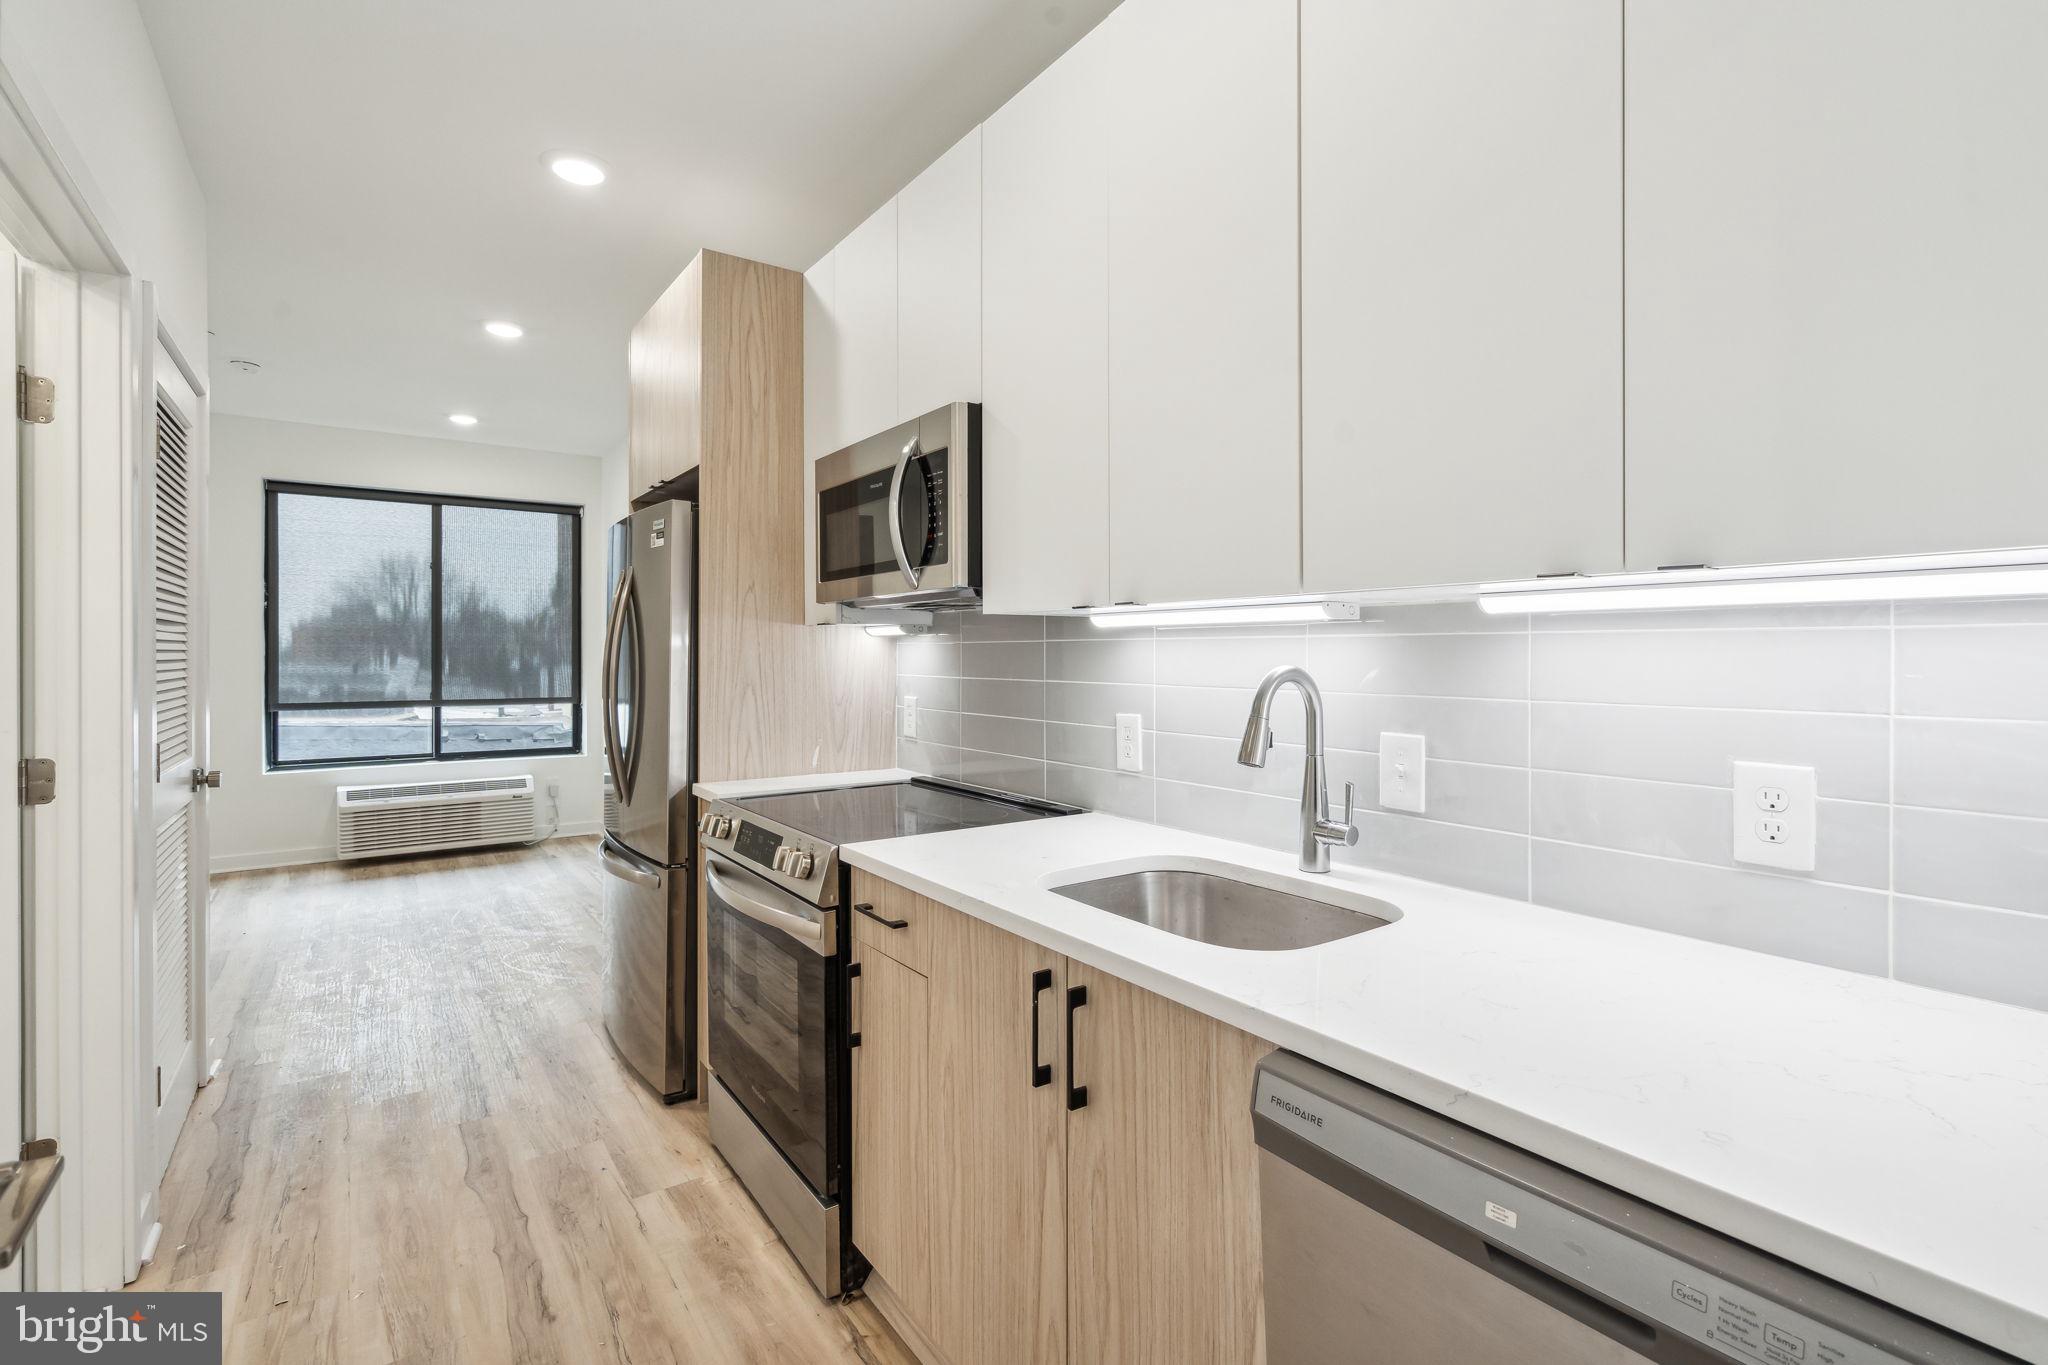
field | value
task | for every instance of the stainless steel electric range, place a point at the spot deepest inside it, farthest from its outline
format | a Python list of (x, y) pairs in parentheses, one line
[(779, 966)]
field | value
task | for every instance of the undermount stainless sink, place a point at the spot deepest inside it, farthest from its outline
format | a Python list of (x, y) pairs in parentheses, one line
[(1224, 911)]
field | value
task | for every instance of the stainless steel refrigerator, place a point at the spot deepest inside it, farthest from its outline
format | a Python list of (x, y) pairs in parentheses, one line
[(648, 726)]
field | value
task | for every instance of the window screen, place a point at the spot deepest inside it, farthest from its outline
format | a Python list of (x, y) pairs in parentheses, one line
[(404, 627)]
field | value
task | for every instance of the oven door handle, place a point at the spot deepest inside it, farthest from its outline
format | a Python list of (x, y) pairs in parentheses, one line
[(813, 934), (910, 452)]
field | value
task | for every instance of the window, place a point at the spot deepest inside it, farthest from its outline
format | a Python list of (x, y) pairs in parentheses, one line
[(403, 627)]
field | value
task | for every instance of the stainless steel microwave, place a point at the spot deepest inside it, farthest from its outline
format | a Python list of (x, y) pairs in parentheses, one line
[(899, 514)]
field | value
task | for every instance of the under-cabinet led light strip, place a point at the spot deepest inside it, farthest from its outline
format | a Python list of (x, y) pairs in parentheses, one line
[(1874, 584), (1223, 614)]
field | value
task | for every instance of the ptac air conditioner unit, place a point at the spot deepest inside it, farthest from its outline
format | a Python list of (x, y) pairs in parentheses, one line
[(427, 817)]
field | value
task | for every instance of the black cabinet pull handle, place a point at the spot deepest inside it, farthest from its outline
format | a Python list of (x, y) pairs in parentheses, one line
[(1041, 1072), (852, 971), (864, 908), (1077, 1095)]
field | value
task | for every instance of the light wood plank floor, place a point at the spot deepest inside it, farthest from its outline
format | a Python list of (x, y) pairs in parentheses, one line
[(421, 1149)]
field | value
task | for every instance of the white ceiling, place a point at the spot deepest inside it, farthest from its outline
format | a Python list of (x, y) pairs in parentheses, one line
[(375, 191)]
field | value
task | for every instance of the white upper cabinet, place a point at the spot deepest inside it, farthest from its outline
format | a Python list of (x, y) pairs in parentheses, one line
[(1204, 366), (821, 413), (821, 361), (864, 314), (1837, 280), (938, 283), (1461, 290), (1045, 363)]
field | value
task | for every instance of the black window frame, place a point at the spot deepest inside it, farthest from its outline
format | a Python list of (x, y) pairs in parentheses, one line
[(437, 703)]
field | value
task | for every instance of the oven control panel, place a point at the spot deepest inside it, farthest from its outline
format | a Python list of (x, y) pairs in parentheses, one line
[(790, 859)]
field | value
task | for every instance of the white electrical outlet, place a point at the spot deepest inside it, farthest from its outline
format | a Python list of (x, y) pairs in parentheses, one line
[(1130, 742), (1775, 816), (910, 717), (1402, 772)]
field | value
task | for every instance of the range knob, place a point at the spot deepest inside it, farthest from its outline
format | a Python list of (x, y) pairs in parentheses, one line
[(783, 853), (800, 865), (705, 822)]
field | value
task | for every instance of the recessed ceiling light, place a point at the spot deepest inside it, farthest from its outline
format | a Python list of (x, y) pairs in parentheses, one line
[(510, 331), (246, 366), (462, 419), (576, 168)]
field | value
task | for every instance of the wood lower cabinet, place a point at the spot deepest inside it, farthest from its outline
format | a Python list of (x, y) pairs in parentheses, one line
[(1163, 1255), (896, 920), (892, 1215), (1018, 1230), (998, 1147)]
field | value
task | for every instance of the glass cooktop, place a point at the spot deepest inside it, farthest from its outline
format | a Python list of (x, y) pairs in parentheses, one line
[(851, 815)]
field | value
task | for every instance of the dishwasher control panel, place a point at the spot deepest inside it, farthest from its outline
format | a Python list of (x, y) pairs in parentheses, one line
[(1671, 1289)]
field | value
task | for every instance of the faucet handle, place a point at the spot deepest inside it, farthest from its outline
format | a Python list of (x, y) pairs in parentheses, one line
[(1350, 824)]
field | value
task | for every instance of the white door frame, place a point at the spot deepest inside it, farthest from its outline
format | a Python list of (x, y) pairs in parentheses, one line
[(95, 333)]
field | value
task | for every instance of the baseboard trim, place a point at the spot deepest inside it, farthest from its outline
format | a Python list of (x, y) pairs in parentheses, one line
[(308, 857), (269, 858), (891, 1308)]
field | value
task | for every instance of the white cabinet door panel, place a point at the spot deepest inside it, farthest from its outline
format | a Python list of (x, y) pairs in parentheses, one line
[(1836, 278), (1204, 364), (1461, 290), (864, 306), (821, 362), (938, 283), (1045, 272), (821, 414)]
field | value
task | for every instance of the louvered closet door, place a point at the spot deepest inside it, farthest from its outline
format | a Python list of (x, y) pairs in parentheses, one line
[(177, 849)]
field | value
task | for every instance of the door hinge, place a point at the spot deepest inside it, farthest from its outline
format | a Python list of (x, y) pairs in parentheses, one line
[(159, 1087), (38, 781), (35, 398), (40, 1147)]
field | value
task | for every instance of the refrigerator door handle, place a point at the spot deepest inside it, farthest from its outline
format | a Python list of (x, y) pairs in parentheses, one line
[(616, 752), (626, 869)]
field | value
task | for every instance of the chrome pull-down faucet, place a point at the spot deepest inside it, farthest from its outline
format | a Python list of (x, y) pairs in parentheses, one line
[(1318, 831)]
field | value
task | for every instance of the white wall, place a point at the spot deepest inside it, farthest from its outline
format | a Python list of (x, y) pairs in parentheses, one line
[(88, 73), (614, 498), (265, 819)]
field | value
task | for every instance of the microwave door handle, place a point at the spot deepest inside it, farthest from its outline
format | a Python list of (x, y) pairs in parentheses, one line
[(810, 933), (910, 571)]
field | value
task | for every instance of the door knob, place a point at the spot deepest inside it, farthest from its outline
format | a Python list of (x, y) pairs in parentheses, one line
[(205, 777)]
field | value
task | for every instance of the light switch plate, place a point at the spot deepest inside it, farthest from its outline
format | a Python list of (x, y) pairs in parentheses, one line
[(1402, 773), (1776, 814), (1130, 742), (910, 717)]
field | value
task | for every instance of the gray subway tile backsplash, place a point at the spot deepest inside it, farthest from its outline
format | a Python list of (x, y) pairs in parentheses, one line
[(1993, 672), (1583, 762), (1993, 953)]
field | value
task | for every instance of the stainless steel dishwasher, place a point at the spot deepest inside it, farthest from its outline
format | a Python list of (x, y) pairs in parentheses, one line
[(1394, 1236)]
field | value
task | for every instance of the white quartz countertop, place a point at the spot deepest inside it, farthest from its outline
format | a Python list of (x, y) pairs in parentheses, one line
[(800, 782), (1889, 1137)]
